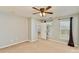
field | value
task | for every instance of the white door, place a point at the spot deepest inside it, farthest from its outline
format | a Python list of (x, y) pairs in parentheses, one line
[(43, 30)]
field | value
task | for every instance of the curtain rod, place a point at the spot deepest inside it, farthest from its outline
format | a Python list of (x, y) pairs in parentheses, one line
[(65, 18)]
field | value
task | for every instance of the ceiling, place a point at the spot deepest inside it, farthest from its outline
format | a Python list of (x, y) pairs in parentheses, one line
[(27, 11), (17, 10)]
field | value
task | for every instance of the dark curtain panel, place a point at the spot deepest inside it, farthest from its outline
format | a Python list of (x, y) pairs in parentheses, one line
[(71, 42)]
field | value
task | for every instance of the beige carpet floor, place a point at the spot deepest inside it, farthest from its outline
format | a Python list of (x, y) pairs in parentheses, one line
[(39, 46)]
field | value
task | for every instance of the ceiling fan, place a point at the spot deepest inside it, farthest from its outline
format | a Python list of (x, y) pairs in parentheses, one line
[(43, 11)]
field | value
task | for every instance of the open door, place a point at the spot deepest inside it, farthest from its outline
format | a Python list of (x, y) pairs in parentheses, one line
[(43, 31)]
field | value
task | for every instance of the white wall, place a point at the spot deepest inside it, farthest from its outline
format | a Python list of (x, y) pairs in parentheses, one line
[(78, 31), (33, 29), (75, 29), (29, 29), (13, 29)]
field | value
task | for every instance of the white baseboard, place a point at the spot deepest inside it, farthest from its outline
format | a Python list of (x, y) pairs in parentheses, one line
[(62, 42), (33, 40), (58, 41), (13, 44)]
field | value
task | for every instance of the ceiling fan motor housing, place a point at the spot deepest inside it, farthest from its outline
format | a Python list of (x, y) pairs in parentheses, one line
[(42, 10)]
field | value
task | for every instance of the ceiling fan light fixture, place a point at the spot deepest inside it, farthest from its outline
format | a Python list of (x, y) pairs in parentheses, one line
[(42, 14)]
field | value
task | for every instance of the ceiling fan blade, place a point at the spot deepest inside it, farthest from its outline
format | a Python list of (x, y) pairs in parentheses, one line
[(36, 13), (49, 12), (35, 8), (48, 7)]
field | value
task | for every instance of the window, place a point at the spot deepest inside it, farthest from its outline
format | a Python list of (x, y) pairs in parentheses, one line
[(64, 29)]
